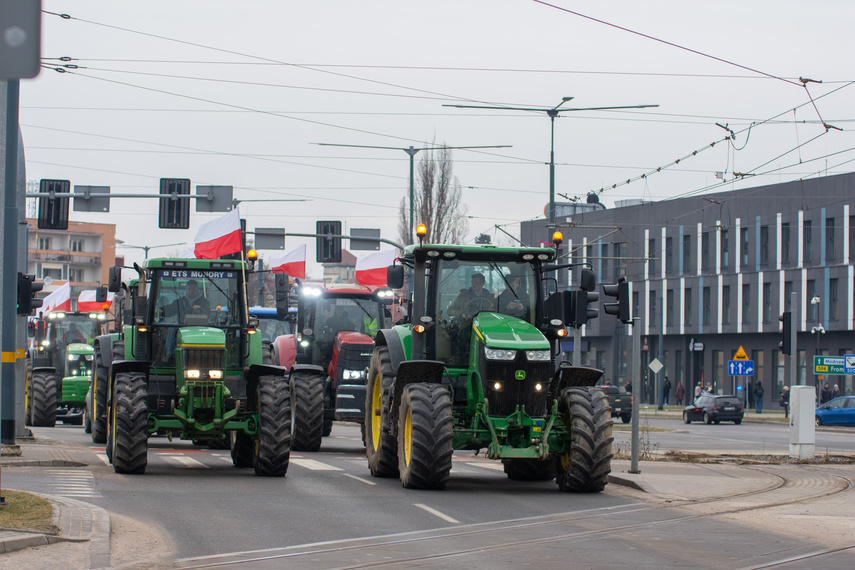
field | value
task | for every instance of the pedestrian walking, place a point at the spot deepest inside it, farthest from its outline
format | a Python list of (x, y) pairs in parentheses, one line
[(824, 394), (758, 397), (835, 392), (666, 391), (628, 386), (698, 391), (785, 401), (679, 392)]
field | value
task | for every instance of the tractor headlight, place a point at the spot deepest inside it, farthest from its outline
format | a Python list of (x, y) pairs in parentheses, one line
[(73, 357), (354, 375), (215, 374), (195, 374), (499, 354), (537, 355), (90, 357)]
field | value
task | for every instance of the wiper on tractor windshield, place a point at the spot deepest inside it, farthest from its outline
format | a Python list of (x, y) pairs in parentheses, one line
[(505, 279)]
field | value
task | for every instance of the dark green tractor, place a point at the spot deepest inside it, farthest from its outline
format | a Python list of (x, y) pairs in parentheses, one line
[(475, 369), (188, 365)]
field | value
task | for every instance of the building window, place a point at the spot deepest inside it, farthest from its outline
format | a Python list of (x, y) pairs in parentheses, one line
[(589, 253), (687, 306), (669, 255), (851, 237), (743, 245), (669, 311), (52, 272), (764, 245), (718, 369), (746, 303), (707, 306), (75, 245), (778, 370), (635, 301), (620, 260), (651, 257), (725, 305), (725, 249), (75, 275), (807, 240), (678, 365), (788, 290), (604, 262), (705, 251), (810, 293), (757, 357), (785, 243), (834, 300), (44, 243), (829, 239), (687, 252), (767, 302), (653, 316)]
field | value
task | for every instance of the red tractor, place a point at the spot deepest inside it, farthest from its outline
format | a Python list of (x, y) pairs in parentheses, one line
[(328, 356)]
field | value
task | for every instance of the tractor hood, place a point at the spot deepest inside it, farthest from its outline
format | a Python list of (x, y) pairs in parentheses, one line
[(79, 348), (496, 330), (201, 336)]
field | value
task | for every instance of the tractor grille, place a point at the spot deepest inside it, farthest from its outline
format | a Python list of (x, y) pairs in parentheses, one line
[(204, 390), (207, 358), (514, 392)]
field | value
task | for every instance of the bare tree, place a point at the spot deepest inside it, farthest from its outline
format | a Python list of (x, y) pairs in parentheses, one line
[(438, 201)]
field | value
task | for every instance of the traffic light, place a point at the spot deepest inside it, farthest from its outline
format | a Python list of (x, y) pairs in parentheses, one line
[(581, 312), (328, 248), (620, 291), (53, 211), (174, 211), (786, 344), (27, 288)]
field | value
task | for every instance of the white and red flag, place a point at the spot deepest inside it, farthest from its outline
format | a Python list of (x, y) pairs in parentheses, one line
[(291, 262), (371, 269), (59, 300), (219, 237), (86, 302)]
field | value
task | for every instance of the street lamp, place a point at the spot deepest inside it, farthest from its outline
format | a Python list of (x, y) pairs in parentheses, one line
[(552, 112), (122, 244)]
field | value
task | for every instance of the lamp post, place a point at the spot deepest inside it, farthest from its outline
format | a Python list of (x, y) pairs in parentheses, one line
[(551, 112), (145, 248)]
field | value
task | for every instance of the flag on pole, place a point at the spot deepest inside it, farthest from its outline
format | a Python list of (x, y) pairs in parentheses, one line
[(371, 269), (291, 262), (86, 302), (219, 237), (59, 300)]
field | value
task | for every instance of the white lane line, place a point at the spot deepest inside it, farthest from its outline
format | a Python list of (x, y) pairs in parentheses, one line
[(360, 479), (314, 465), (103, 457), (436, 513), (186, 462), (494, 466), (225, 458)]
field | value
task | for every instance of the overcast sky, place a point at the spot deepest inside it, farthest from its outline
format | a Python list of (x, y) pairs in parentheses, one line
[(237, 93)]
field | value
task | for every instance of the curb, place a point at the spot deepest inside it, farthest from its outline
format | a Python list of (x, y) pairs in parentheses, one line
[(41, 463), (626, 480)]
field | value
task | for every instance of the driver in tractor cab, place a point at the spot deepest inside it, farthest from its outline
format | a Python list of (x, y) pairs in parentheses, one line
[(511, 300), (191, 303), (470, 301), (73, 334), (340, 321)]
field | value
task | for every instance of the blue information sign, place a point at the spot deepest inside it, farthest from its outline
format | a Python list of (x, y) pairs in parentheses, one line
[(740, 367)]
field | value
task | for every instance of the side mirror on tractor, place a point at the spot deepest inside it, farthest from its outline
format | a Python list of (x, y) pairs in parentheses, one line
[(395, 276), (115, 283), (101, 294)]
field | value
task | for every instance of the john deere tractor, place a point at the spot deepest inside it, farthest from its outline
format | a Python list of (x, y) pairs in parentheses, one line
[(188, 365), (475, 369)]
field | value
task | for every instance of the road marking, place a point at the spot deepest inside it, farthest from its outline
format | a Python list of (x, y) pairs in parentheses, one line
[(72, 483), (314, 465), (186, 462), (360, 479), (103, 457), (491, 465), (436, 513)]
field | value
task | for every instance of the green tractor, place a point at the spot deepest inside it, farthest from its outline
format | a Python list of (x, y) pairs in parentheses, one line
[(59, 367), (188, 365), (475, 369)]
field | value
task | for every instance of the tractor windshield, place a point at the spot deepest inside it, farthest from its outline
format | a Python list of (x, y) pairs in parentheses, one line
[(335, 314), (466, 288)]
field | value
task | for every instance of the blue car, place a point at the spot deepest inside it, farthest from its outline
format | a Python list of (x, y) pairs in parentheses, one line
[(837, 412)]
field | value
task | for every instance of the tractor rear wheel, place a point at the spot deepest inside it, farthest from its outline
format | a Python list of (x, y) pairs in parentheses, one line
[(28, 394), (130, 423), (425, 431), (307, 411), (381, 447), (43, 403), (586, 466), (100, 381), (273, 449), (530, 469), (243, 449)]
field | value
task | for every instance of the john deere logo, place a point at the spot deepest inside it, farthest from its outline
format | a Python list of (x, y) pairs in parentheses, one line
[(519, 374)]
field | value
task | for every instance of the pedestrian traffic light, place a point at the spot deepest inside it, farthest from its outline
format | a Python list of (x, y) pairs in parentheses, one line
[(581, 312), (786, 344), (27, 288), (620, 291), (174, 210), (53, 210), (328, 247)]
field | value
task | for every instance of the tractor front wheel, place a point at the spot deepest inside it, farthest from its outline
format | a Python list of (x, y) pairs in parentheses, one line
[(529, 469), (586, 466), (273, 449), (381, 447), (425, 431), (130, 423), (307, 411), (43, 404), (98, 403)]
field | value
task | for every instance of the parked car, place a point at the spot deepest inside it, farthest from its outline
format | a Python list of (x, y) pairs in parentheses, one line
[(837, 412), (621, 403), (713, 409)]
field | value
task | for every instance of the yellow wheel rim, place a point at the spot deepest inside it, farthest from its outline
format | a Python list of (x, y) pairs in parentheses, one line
[(376, 393), (408, 437)]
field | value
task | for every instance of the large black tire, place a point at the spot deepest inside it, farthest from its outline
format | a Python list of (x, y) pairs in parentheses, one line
[(586, 466), (425, 433), (87, 422), (626, 418), (307, 411), (328, 427), (28, 394), (530, 469), (43, 403), (381, 447), (243, 449), (273, 450), (686, 419), (100, 382), (129, 414)]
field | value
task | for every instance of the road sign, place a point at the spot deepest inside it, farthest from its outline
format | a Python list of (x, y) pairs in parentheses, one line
[(740, 367), (740, 354), (833, 364), (656, 366)]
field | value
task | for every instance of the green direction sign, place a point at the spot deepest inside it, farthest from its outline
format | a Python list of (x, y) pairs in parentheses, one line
[(829, 365)]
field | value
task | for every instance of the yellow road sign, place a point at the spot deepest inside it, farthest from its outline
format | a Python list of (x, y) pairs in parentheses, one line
[(740, 354)]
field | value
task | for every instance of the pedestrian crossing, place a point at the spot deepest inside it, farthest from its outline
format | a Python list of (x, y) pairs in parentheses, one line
[(71, 483)]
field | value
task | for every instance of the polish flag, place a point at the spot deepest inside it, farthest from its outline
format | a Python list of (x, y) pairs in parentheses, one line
[(291, 262), (59, 300), (86, 302), (219, 237), (371, 269)]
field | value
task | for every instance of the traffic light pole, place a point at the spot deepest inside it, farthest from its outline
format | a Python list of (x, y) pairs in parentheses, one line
[(636, 388), (793, 350)]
